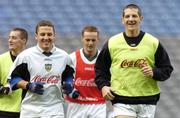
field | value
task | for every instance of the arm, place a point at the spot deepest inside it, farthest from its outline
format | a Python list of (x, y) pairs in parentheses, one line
[(102, 68), (67, 82), (163, 67), (19, 74), (20, 78)]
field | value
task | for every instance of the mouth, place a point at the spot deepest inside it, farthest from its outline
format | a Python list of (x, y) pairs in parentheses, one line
[(46, 42), (10, 44), (90, 46), (131, 23)]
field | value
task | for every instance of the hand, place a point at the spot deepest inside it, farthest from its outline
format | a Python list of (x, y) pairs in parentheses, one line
[(106, 92), (147, 71), (74, 94), (67, 88), (35, 87), (4, 89)]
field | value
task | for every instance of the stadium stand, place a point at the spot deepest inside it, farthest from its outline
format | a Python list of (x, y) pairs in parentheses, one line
[(161, 18)]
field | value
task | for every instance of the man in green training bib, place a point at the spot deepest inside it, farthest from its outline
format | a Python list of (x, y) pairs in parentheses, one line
[(129, 67), (10, 102)]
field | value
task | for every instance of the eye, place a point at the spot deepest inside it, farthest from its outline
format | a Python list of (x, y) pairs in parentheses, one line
[(12, 37), (94, 40), (126, 16), (87, 40), (49, 34), (134, 16), (42, 34)]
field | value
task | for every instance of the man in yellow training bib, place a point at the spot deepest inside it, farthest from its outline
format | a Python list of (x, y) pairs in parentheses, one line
[(129, 67), (10, 102)]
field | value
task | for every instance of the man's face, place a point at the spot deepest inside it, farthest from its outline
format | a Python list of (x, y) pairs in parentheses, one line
[(90, 41), (15, 42), (131, 19), (45, 37)]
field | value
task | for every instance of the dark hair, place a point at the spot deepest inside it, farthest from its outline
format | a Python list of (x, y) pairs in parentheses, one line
[(23, 32), (44, 23), (134, 6), (89, 28)]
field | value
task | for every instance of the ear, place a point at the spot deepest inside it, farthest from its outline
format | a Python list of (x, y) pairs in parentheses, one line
[(35, 35), (141, 18), (25, 41), (54, 35), (122, 21)]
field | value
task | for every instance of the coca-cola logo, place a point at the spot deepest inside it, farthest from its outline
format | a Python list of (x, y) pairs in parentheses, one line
[(82, 82), (49, 80), (134, 63)]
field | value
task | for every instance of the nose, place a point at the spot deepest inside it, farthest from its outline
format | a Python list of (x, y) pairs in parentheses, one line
[(46, 36), (10, 39), (90, 42), (130, 18)]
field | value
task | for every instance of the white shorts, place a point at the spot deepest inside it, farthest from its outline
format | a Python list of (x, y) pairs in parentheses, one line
[(75, 110), (138, 111), (44, 112), (109, 108), (53, 116)]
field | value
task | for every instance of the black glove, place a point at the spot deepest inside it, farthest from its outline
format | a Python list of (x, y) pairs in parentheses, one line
[(35, 87), (67, 88), (74, 94), (4, 90)]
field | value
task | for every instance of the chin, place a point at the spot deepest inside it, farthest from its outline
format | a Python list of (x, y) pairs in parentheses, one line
[(131, 29), (11, 48), (45, 48)]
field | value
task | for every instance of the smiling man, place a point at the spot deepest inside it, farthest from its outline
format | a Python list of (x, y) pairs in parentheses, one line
[(129, 67), (38, 71)]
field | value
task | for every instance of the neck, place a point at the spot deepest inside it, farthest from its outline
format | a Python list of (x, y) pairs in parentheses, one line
[(90, 55), (15, 53), (133, 33), (47, 49)]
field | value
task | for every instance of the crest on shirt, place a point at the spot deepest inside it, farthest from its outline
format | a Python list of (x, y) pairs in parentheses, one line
[(48, 67)]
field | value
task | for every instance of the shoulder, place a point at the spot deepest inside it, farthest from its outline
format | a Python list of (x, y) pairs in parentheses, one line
[(61, 51), (115, 39), (151, 37), (73, 54), (5, 54), (28, 51), (117, 36), (151, 41)]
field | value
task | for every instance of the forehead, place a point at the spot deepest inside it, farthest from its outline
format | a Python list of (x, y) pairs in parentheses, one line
[(14, 33), (45, 29), (130, 11), (90, 34)]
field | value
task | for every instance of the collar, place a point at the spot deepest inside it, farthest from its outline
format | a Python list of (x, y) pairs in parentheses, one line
[(47, 53)]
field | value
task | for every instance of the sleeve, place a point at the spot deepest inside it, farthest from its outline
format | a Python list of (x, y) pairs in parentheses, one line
[(19, 69), (73, 59), (102, 67), (163, 67), (68, 71)]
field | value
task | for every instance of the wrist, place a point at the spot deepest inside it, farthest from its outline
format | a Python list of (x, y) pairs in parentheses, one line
[(27, 86)]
